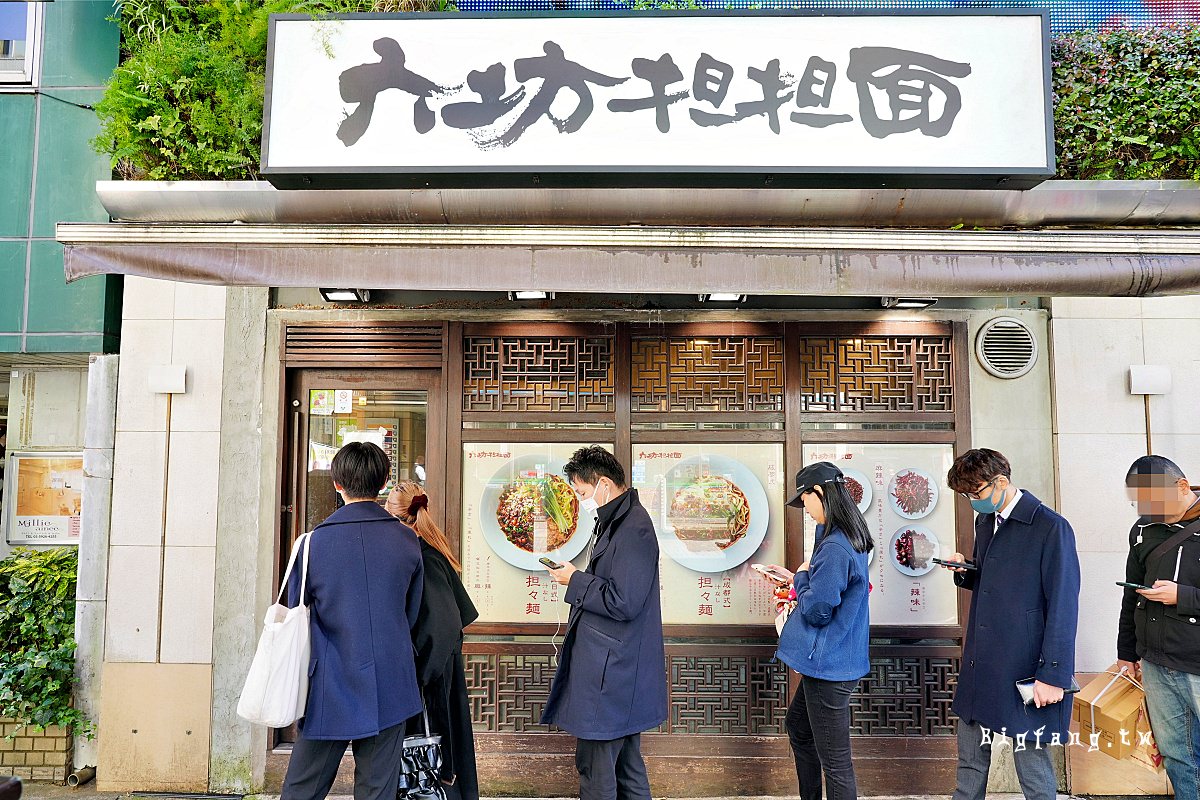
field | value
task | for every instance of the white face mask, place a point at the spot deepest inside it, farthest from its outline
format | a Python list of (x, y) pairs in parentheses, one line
[(590, 505)]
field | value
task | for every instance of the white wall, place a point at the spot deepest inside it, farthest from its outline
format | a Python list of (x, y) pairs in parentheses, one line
[(162, 555), (1099, 429)]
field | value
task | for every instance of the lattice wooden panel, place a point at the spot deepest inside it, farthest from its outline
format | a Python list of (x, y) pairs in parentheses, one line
[(723, 373), (508, 692), (538, 373), (877, 373), (727, 695), (905, 697)]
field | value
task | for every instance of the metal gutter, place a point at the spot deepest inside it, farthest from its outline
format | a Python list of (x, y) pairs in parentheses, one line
[(1097, 204), (1127, 242)]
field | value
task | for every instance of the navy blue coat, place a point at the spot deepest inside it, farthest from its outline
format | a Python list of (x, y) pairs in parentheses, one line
[(364, 595), (611, 680), (828, 636), (1024, 615)]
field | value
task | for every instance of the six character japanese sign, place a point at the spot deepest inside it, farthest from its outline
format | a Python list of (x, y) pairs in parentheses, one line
[(688, 93)]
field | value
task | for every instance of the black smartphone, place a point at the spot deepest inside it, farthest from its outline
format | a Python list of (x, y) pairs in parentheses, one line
[(967, 565), (1131, 585), (549, 564)]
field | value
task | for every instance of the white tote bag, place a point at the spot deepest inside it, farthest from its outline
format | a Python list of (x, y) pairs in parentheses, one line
[(276, 687)]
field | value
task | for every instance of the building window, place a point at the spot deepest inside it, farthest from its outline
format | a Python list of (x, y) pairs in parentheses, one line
[(19, 30)]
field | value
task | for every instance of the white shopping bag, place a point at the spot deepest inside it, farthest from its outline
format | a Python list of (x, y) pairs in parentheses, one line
[(276, 687)]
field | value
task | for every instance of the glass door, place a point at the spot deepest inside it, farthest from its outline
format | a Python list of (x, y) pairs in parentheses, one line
[(391, 408), (399, 410)]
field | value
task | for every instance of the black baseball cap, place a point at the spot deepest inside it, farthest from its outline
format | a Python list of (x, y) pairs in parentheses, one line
[(815, 475)]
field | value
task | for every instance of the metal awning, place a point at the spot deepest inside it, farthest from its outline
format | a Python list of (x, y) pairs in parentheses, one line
[(646, 260)]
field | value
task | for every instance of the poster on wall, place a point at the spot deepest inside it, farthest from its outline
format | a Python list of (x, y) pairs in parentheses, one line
[(717, 509), (517, 508), (44, 498), (901, 491)]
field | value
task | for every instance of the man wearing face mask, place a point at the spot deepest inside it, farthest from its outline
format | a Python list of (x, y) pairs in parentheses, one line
[(1024, 586), (610, 684), (1158, 638)]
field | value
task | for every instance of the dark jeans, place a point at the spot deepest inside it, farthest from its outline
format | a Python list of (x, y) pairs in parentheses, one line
[(818, 726), (314, 765), (612, 769)]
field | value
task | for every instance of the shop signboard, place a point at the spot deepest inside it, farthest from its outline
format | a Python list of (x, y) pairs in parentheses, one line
[(916, 98), (44, 498)]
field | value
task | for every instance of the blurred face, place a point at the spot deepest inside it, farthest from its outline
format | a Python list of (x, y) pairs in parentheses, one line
[(1160, 498), (813, 505)]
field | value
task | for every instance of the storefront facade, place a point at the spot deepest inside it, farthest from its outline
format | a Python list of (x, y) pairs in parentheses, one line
[(711, 407), (503, 405)]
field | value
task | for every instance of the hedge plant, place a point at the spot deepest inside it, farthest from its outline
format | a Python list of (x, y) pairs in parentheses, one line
[(187, 101), (37, 638), (1127, 103)]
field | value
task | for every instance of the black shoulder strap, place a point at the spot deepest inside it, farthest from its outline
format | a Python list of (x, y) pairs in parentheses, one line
[(1157, 553)]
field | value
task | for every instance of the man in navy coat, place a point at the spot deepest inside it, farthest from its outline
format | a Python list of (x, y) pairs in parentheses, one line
[(611, 682), (1024, 614), (364, 592)]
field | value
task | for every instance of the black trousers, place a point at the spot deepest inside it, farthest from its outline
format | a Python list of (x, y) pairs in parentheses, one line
[(818, 726), (314, 765), (612, 769)]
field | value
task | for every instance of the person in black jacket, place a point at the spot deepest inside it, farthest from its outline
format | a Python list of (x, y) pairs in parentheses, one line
[(1159, 633), (446, 609)]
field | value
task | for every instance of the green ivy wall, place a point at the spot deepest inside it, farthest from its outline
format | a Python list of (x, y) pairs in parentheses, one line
[(48, 173)]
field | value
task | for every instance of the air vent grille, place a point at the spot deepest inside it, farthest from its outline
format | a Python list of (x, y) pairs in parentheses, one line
[(1006, 348)]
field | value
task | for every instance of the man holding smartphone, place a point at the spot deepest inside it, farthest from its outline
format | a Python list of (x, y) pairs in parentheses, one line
[(1158, 638), (1024, 616), (611, 683)]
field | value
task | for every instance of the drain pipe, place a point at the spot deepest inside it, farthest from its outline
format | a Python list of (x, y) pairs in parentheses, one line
[(81, 776)]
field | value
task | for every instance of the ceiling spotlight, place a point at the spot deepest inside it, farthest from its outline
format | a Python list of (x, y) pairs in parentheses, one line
[(346, 295), (531, 295), (908, 302), (722, 297)]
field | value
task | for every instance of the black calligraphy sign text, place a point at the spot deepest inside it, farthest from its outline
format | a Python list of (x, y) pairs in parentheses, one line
[(915, 87), (818, 73), (363, 84), (659, 74), (557, 73), (908, 80)]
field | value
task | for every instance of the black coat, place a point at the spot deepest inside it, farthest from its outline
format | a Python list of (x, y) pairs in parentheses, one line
[(611, 680), (446, 609), (1165, 635), (1024, 616)]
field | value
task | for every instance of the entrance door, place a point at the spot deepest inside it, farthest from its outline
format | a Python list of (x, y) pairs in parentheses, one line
[(399, 410)]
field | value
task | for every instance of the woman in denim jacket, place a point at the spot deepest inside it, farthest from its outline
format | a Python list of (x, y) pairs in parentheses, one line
[(826, 637)]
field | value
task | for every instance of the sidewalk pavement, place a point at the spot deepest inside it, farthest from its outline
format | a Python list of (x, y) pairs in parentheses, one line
[(50, 791)]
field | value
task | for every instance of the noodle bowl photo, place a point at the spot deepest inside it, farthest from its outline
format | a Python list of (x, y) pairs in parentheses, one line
[(710, 510), (524, 500)]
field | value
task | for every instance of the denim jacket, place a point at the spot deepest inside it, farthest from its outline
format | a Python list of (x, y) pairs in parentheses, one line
[(828, 634)]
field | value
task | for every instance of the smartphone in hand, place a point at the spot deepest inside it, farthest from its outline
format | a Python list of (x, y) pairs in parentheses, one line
[(1128, 585), (548, 564), (967, 565), (771, 575)]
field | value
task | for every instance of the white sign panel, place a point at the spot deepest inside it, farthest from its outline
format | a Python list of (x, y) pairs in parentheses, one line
[(714, 95)]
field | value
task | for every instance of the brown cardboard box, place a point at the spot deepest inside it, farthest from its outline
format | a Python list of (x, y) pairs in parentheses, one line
[(1109, 707)]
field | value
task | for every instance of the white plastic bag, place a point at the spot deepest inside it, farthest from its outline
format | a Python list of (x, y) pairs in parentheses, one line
[(276, 689)]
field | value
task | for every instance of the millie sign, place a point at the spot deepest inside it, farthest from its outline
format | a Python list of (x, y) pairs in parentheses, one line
[(900, 99)]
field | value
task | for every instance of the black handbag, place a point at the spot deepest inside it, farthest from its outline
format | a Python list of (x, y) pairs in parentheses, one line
[(421, 765)]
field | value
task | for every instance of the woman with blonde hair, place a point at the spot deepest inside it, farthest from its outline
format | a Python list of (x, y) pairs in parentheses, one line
[(446, 609)]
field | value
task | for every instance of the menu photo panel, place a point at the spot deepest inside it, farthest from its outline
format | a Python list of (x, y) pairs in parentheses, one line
[(518, 507), (901, 491), (717, 509)]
